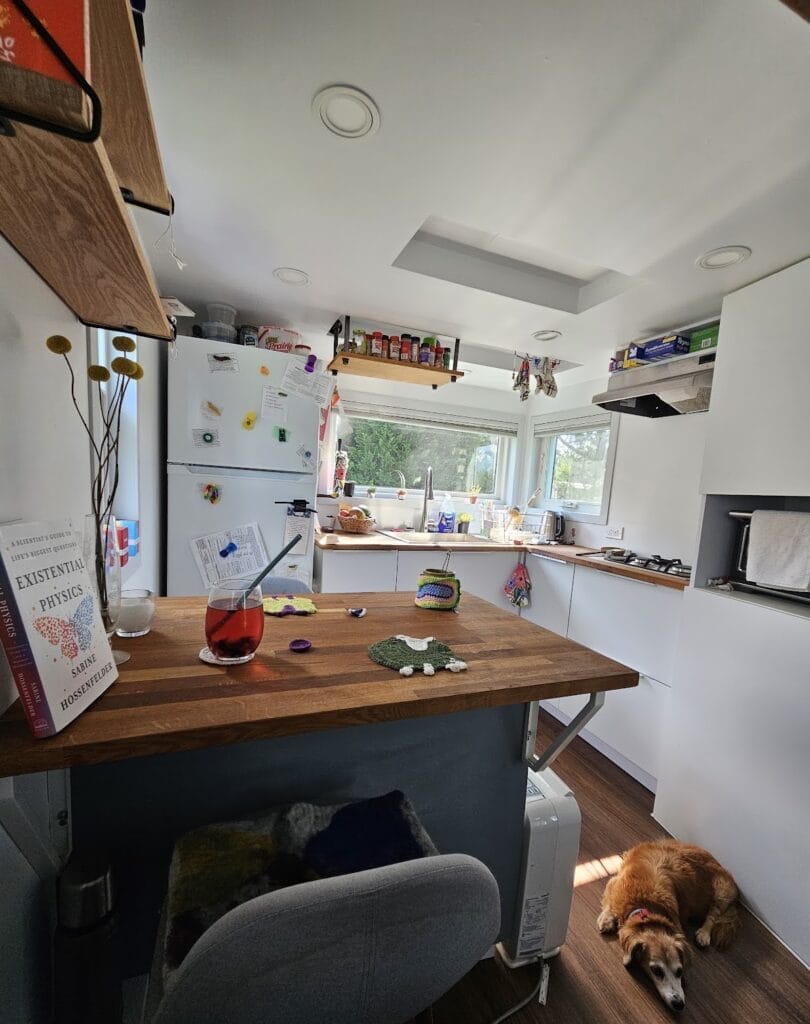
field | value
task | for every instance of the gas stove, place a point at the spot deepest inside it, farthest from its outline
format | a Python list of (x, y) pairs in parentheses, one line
[(652, 563)]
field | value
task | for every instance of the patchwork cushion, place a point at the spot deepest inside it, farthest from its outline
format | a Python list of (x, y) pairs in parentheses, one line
[(218, 867)]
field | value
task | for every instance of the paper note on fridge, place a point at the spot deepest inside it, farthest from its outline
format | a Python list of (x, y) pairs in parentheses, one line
[(274, 406), (298, 522), (315, 385), (239, 551)]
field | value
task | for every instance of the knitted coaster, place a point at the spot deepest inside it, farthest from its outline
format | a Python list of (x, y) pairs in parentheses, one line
[(288, 604), (409, 654)]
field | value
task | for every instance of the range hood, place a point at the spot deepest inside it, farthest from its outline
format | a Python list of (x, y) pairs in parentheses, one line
[(670, 388)]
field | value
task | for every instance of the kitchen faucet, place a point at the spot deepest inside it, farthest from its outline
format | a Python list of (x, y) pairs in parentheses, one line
[(428, 496)]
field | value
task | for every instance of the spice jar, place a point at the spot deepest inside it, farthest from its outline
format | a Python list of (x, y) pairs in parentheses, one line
[(424, 353), (376, 344), (405, 348), (394, 345), (415, 348), (386, 343)]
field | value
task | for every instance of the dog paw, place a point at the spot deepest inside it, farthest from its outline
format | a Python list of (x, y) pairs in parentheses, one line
[(607, 922), (703, 937)]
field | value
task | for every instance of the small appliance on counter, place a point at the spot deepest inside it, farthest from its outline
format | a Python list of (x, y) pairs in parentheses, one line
[(738, 577), (551, 528)]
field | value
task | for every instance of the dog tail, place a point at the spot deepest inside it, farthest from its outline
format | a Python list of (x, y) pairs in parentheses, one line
[(726, 927)]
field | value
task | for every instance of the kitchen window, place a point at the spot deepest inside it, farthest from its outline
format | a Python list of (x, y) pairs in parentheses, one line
[(465, 456), (573, 465)]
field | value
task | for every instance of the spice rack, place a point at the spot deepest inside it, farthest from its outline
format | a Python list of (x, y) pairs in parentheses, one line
[(407, 371)]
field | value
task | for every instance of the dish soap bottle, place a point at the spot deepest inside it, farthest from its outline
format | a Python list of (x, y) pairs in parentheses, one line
[(447, 516)]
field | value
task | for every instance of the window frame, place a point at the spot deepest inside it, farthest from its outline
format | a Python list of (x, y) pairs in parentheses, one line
[(542, 430), (506, 459)]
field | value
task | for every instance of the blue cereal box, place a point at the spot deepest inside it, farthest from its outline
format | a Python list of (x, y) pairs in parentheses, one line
[(665, 348)]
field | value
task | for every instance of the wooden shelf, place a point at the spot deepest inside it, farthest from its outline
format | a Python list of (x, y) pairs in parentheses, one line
[(61, 206), (61, 209), (390, 369), (127, 128)]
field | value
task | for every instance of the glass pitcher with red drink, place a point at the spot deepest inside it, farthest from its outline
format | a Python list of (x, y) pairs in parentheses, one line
[(234, 621)]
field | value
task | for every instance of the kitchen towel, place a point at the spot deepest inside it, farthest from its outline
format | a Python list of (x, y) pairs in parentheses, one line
[(779, 550)]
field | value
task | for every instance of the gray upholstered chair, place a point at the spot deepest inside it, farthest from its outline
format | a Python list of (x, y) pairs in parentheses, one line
[(283, 585), (374, 947)]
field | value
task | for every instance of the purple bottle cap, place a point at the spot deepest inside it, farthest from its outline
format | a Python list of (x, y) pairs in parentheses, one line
[(310, 364), (300, 646)]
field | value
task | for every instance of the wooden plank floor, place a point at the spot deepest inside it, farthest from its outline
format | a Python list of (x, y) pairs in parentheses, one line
[(755, 980)]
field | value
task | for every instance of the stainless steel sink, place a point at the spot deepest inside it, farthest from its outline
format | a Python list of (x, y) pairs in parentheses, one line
[(413, 537)]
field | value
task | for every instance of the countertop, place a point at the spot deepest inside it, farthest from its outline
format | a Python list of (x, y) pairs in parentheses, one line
[(166, 699), (586, 557)]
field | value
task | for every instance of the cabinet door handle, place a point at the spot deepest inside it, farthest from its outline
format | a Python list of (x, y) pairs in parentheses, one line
[(548, 558)]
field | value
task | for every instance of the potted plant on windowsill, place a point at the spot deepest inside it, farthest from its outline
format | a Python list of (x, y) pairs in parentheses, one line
[(463, 522), (472, 494)]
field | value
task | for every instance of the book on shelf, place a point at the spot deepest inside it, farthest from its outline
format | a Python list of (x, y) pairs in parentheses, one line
[(51, 631)]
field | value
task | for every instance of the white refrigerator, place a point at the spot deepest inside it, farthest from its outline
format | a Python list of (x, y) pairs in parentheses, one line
[(242, 443)]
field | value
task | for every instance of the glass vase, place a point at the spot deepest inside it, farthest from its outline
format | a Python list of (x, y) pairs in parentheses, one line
[(103, 562)]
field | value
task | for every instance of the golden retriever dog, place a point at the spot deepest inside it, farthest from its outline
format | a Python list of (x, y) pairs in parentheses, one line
[(658, 886)]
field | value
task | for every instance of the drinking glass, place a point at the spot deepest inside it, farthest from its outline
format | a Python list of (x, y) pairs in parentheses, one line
[(137, 613), (234, 621)]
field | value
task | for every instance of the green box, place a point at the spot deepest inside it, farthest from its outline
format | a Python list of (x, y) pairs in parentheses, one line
[(703, 339)]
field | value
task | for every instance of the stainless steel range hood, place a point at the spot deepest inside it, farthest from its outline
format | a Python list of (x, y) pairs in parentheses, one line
[(670, 388)]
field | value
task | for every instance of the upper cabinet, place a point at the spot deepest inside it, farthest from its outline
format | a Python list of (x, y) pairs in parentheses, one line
[(757, 431), (62, 200)]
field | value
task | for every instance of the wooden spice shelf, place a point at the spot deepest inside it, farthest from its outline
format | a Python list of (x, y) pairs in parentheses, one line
[(61, 205), (390, 369)]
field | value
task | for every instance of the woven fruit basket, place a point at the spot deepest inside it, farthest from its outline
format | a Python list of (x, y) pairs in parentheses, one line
[(354, 520)]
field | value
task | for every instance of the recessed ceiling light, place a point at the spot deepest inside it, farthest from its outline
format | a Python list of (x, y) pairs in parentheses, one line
[(289, 275), (546, 335), (725, 256), (346, 111)]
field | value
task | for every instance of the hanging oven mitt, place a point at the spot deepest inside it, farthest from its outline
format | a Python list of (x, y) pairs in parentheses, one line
[(518, 586)]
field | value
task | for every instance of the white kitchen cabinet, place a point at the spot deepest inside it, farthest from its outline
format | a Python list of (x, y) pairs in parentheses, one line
[(756, 441), (634, 622), (630, 724), (735, 760), (355, 571), (552, 584), (482, 573)]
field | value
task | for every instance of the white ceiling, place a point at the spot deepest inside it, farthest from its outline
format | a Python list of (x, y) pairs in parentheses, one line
[(630, 135)]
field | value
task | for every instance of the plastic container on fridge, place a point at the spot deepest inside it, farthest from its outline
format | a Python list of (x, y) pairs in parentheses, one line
[(221, 312)]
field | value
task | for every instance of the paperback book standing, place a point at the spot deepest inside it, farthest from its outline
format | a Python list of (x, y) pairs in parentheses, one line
[(50, 626)]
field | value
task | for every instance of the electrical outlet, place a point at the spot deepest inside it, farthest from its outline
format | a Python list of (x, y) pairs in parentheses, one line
[(614, 532)]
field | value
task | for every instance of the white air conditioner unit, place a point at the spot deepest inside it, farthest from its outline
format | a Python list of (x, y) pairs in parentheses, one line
[(550, 847)]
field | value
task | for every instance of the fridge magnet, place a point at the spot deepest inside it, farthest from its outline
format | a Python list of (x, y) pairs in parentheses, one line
[(209, 410), (282, 435), (222, 361), (264, 370), (249, 420), (212, 493), (229, 549), (205, 437), (306, 456)]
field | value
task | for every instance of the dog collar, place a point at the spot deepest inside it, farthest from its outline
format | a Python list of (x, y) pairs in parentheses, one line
[(641, 912)]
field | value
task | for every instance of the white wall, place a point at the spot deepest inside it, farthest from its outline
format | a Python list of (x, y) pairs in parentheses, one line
[(44, 473), (655, 494)]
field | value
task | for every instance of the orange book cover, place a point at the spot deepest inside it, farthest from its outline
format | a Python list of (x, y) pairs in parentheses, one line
[(67, 22)]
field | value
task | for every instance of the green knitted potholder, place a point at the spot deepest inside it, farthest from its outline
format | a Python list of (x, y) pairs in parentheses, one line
[(409, 654)]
